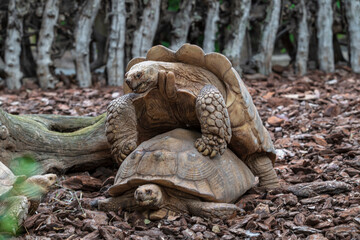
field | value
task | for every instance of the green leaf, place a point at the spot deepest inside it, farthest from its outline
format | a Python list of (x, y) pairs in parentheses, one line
[(25, 165), (338, 4), (217, 47), (147, 221), (283, 50), (292, 38), (62, 23), (292, 6), (173, 5), (165, 44)]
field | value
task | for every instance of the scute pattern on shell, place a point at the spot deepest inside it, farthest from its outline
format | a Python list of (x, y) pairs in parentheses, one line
[(247, 127), (222, 179)]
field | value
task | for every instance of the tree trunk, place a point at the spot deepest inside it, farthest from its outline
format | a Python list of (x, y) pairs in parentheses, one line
[(144, 35), (353, 17), (46, 37), (211, 26), (268, 37), (82, 41), (58, 143), (181, 24), (16, 12), (239, 23), (324, 24), (115, 61), (303, 42)]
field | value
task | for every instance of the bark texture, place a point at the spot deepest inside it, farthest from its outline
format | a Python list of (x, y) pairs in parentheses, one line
[(46, 38), (211, 26), (268, 37), (181, 24), (16, 12), (353, 17), (303, 42), (324, 24), (82, 41), (144, 35), (240, 20), (57, 142), (115, 61)]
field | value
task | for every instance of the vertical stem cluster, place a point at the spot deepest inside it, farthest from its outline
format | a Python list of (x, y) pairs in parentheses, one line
[(82, 41), (324, 24), (211, 26), (115, 61), (302, 42), (268, 37), (239, 23), (353, 17), (144, 35), (46, 38)]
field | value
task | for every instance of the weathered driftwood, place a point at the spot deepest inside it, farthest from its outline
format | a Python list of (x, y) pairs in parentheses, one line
[(211, 26), (352, 14), (16, 12), (116, 52), (82, 41), (240, 20), (46, 37), (268, 37), (144, 35), (57, 142), (302, 42), (324, 24), (181, 24)]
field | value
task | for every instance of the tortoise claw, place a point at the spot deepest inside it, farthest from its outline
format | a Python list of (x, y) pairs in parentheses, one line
[(213, 153), (206, 152)]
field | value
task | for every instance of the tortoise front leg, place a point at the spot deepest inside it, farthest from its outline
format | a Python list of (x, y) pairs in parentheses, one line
[(262, 166), (121, 130), (214, 120), (125, 201)]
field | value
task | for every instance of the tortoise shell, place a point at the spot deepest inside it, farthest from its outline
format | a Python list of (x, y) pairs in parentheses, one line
[(249, 136), (172, 161)]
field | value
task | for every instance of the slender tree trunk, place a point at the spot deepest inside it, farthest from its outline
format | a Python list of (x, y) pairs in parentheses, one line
[(82, 41), (16, 13), (46, 38), (352, 14), (324, 24), (144, 35), (211, 26), (115, 61), (303, 42), (181, 24), (268, 37), (239, 23), (57, 142)]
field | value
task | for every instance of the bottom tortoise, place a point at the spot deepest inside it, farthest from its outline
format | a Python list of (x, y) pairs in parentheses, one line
[(167, 174)]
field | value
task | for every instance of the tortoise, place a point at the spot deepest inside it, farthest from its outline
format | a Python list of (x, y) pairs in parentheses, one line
[(19, 196), (167, 174), (190, 89)]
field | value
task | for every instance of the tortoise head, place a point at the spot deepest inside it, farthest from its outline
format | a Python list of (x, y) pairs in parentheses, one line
[(142, 77), (149, 195)]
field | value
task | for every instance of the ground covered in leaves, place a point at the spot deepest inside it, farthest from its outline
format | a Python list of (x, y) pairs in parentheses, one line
[(315, 124)]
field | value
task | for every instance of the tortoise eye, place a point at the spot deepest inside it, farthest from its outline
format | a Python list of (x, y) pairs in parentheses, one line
[(138, 75)]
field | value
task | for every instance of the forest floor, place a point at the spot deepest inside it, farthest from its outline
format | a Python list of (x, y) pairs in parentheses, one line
[(315, 124)]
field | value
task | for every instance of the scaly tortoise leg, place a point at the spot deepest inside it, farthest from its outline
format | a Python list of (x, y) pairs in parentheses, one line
[(124, 201), (261, 166), (211, 209), (121, 125), (214, 120), (166, 83)]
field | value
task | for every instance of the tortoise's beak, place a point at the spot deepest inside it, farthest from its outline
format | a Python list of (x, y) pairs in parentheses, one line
[(128, 82)]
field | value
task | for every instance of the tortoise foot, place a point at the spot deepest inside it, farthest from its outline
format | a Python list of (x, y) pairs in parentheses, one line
[(121, 151), (215, 122), (210, 145)]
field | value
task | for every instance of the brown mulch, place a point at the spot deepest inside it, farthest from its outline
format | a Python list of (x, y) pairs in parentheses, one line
[(315, 124)]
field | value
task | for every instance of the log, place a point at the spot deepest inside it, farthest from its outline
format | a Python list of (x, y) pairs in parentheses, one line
[(46, 37), (58, 143), (353, 17), (82, 41), (324, 22), (211, 26), (268, 38), (116, 52), (239, 24), (181, 24), (144, 35), (16, 12), (302, 42)]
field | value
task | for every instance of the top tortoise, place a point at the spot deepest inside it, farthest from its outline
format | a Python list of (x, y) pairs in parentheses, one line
[(190, 89)]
